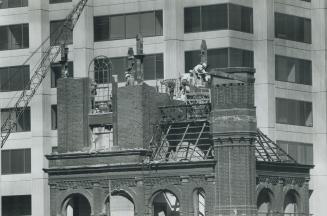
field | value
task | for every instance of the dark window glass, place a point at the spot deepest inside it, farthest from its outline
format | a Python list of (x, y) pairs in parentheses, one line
[(240, 58), (293, 112), (217, 58), (117, 27), (4, 38), (159, 23), (23, 123), (54, 118), (192, 19), (13, 3), (240, 18), (15, 161), (14, 78), (56, 72), (119, 67), (214, 17), (14, 37), (60, 33), (132, 25), (148, 24), (101, 28), (128, 25), (153, 67), (292, 28), (59, 1), (301, 152), (220, 58), (16, 205), (293, 70)]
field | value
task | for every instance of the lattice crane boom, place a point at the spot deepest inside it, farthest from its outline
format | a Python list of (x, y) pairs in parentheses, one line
[(49, 55)]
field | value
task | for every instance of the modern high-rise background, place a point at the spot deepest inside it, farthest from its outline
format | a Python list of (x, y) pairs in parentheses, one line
[(284, 40)]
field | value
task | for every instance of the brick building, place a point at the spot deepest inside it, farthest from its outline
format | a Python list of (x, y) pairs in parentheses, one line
[(167, 157)]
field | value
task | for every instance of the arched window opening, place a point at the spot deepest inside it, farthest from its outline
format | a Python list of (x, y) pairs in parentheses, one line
[(119, 204), (77, 205), (264, 202), (291, 205), (165, 203), (199, 204)]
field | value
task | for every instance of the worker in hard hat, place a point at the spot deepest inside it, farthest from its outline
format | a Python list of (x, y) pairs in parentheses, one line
[(201, 74)]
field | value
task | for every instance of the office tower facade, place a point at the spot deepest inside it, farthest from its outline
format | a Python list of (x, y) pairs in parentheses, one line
[(283, 39)]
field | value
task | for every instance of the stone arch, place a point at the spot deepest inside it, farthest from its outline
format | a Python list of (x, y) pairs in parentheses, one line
[(76, 204), (119, 202), (62, 198), (199, 202), (265, 199), (292, 202), (164, 202)]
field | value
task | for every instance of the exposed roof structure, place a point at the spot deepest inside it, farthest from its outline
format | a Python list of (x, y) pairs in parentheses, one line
[(184, 135)]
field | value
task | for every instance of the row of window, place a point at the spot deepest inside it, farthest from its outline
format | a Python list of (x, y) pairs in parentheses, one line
[(217, 17), (23, 3), (125, 26), (204, 18), (288, 69), (221, 58)]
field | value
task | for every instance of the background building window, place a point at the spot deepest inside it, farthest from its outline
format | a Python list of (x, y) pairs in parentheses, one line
[(125, 26), (59, 1), (293, 112), (101, 28), (14, 37), (15, 161), (13, 3), (220, 58), (217, 17), (292, 28), (153, 67), (293, 70), (14, 78), (56, 72), (55, 29), (16, 205), (23, 123), (54, 117), (301, 152)]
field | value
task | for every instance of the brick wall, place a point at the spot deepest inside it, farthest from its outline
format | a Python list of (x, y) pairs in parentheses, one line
[(137, 114), (73, 102)]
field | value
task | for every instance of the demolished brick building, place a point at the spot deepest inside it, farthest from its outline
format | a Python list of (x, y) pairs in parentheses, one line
[(149, 154)]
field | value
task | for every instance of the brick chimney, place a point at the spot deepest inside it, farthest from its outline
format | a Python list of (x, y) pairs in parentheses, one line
[(233, 121)]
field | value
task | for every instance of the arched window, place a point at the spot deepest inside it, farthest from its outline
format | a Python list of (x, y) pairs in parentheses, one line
[(199, 202), (76, 205), (119, 203), (165, 203), (291, 202), (264, 201)]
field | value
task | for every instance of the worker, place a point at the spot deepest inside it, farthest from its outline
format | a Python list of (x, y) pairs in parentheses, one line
[(129, 78)]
